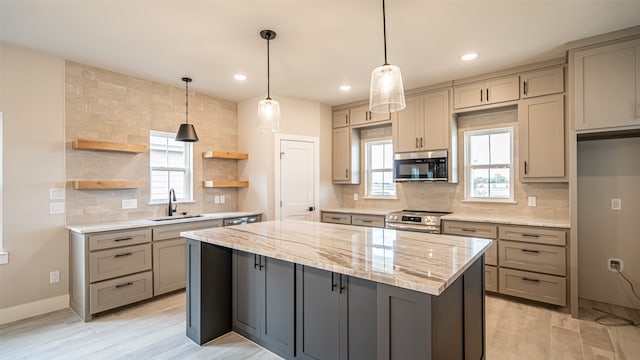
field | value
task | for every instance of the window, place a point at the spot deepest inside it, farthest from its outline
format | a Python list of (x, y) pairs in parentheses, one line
[(379, 169), (170, 163), (489, 165)]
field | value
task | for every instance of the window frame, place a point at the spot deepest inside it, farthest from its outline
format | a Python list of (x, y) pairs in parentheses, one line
[(187, 169), (468, 167), (368, 171)]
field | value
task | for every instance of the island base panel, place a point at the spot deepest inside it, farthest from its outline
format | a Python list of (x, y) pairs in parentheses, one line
[(208, 291)]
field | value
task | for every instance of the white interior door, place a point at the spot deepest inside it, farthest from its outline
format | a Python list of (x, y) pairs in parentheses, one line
[(297, 180)]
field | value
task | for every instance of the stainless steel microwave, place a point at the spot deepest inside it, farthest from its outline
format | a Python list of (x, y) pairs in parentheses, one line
[(420, 166)]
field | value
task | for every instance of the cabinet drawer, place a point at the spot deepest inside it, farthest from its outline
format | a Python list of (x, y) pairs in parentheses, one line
[(113, 239), (173, 231), (470, 229), (108, 264), (336, 218), (535, 235), (367, 220), (491, 256), (491, 278), (545, 288), (533, 257), (122, 291)]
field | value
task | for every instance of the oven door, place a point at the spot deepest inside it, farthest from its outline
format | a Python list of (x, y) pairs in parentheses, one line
[(419, 169), (433, 229)]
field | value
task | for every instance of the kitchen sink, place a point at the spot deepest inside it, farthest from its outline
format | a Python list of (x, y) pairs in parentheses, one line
[(176, 217)]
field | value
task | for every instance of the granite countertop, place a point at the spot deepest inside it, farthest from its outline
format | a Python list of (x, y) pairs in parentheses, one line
[(382, 212), (428, 263), (510, 220), (132, 224)]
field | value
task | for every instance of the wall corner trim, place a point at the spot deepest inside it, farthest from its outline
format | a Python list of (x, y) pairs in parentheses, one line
[(23, 311)]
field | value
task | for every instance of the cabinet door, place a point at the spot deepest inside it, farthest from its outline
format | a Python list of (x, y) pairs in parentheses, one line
[(168, 266), (468, 95), (277, 305), (361, 314), (359, 115), (436, 117), (502, 89), (341, 154), (245, 286), (375, 117), (542, 82), (340, 118), (318, 314), (408, 127), (607, 86), (542, 137)]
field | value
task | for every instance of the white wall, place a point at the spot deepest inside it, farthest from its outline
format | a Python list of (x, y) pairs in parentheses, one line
[(299, 117), (32, 103)]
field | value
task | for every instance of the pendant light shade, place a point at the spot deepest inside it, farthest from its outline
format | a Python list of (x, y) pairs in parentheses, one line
[(187, 132), (387, 92), (268, 109)]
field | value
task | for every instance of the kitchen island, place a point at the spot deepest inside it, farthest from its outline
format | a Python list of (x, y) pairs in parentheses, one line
[(310, 290)]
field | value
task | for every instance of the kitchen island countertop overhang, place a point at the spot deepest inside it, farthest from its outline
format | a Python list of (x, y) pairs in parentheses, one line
[(426, 263)]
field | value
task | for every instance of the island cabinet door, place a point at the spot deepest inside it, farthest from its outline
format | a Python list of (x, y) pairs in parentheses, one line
[(245, 294)]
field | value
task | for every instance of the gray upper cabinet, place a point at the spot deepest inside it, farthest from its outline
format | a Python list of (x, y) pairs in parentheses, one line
[(263, 300), (340, 118), (360, 115), (346, 156), (486, 92), (542, 138), (607, 85), (542, 82), (336, 316), (425, 124)]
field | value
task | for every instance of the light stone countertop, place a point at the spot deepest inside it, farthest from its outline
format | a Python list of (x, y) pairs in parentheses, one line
[(428, 263), (133, 224), (360, 211), (510, 220)]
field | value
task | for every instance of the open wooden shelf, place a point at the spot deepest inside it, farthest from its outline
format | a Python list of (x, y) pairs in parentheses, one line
[(226, 184), (81, 144), (211, 154), (104, 184)]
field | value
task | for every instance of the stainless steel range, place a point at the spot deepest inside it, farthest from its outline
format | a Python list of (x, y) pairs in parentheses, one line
[(415, 220)]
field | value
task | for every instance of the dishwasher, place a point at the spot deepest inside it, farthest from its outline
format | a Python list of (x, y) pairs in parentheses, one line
[(241, 220)]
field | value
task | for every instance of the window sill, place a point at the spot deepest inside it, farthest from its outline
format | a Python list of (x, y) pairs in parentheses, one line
[(490, 201), (379, 198)]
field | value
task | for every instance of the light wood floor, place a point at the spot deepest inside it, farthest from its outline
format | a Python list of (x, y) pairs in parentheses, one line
[(156, 330)]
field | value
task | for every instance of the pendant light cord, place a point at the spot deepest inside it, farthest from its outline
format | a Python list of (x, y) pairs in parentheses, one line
[(384, 30), (187, 82), (268, 73)]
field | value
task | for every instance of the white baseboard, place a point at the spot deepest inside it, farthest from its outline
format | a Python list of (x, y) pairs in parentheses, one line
[(35, 308)]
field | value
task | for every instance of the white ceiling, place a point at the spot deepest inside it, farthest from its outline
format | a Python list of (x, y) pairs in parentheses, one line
[(321, 44)]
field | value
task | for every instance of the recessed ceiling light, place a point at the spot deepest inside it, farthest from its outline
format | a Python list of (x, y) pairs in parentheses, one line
[(240, 77), (469, 56), (345, 87)]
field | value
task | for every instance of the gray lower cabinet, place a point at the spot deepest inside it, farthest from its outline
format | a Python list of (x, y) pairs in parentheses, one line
[(263, 301), (168, 266), (336, 316)]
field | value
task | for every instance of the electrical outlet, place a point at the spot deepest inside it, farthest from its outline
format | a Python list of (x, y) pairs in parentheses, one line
[(355, 196), (221, 199), (56, 208), (56, 194), (216, 199), (54, 277), (531, 201), (616, 204), (129, 203), (615, 265)]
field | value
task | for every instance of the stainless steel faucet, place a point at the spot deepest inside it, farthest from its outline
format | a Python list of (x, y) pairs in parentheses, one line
[(172, 195)]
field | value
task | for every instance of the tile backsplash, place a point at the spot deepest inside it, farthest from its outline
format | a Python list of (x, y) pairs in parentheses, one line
[(107, 106)]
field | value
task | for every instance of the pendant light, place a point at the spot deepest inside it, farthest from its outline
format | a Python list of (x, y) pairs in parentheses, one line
[(268, 109), (187, 132), (387, 93)]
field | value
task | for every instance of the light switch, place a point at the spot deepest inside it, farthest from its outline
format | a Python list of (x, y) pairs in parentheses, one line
[(56, 208), (56, 194), (221, 199), (531, 201), (616, 204), (216, 199), (355, 196), (129, 204)]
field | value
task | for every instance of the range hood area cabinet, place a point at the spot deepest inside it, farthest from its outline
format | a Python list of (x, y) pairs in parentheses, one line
[(425, 124), (606, 81)]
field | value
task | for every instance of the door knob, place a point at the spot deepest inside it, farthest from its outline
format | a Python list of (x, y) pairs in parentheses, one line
[(311, 208)]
